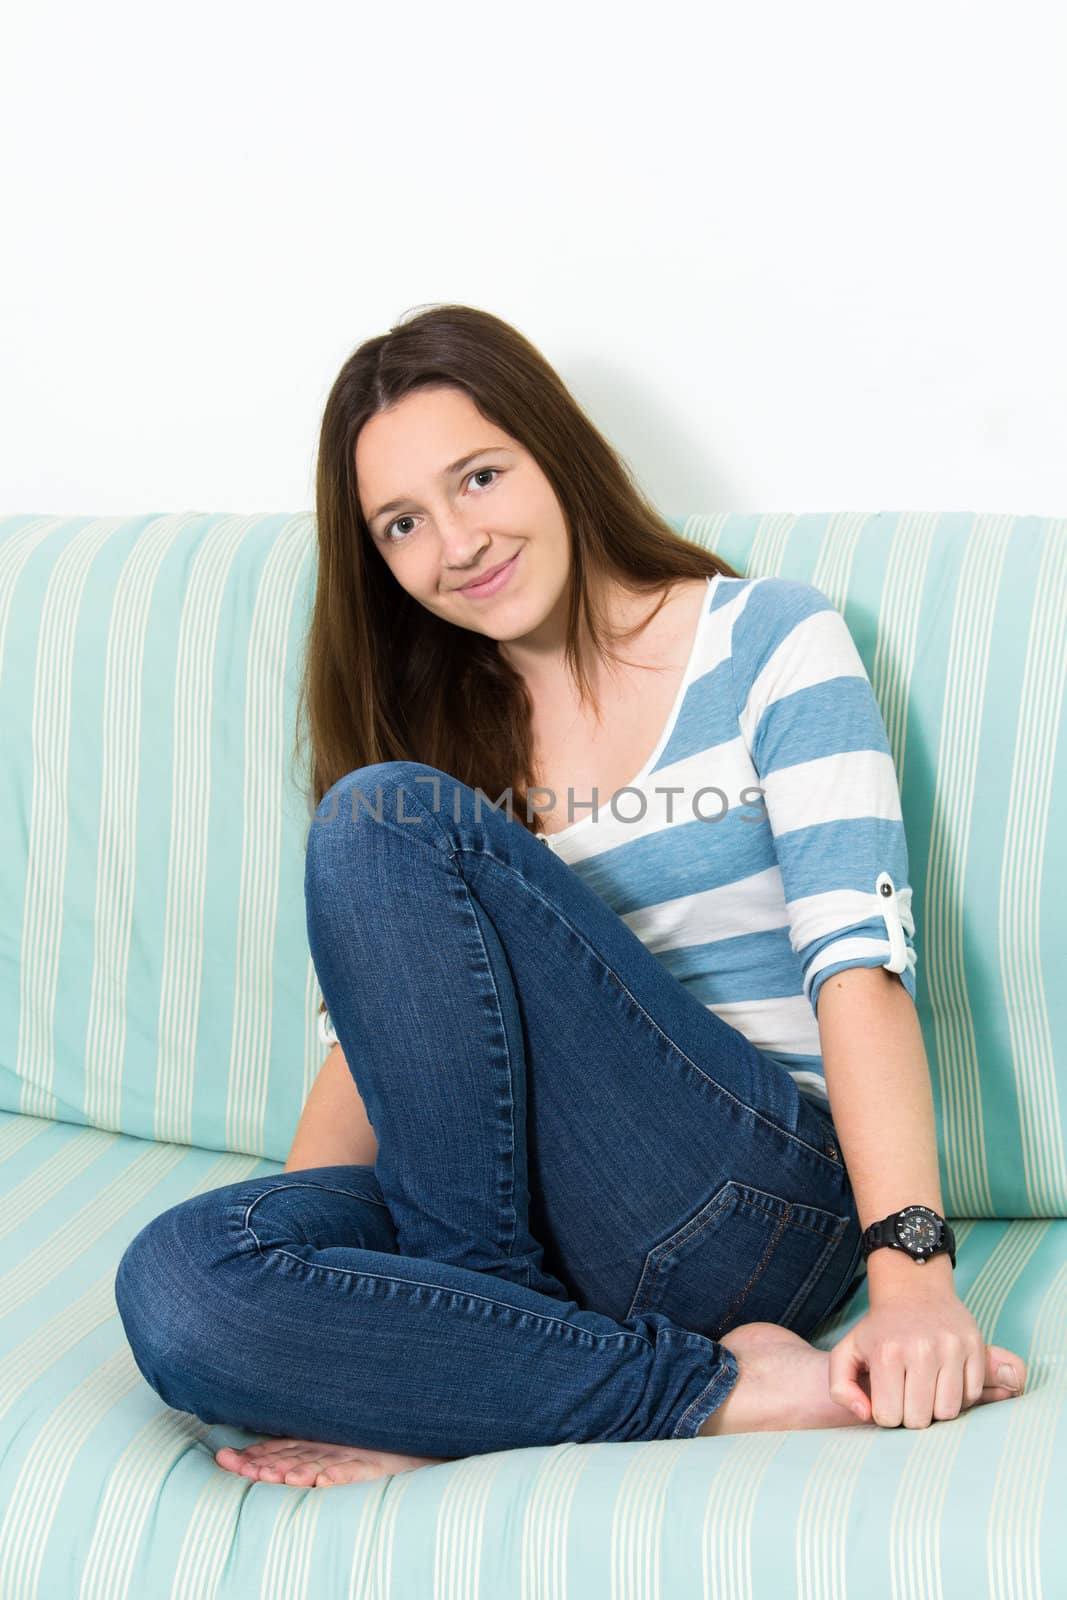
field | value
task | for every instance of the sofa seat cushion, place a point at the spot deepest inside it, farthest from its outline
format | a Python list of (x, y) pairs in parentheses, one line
[(106, 1490)]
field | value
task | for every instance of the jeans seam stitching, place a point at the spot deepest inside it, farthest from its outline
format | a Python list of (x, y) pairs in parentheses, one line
[(807, 1288), (738, 1301), (389, 1277), (453, 850), (607, 967), (511, 1159), (327, 1188), (656, 1257), (742, 1192), (724, 1367)]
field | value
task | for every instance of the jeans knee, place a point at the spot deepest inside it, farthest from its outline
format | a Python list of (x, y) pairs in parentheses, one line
[(365, 795), (145, 1308), (161, 1294)]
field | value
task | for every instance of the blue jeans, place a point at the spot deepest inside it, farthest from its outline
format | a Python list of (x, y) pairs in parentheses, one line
[(585, 1178)]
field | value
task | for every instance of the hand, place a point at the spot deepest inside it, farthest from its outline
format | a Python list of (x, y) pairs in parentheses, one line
[(925, 1358)]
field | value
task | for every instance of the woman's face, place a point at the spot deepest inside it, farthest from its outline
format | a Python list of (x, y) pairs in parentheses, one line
[(437, 525)]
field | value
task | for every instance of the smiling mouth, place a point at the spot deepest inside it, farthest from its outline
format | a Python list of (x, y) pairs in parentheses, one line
[(489, 578)]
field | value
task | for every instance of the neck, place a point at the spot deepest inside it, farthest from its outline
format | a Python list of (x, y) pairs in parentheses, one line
[(547, 674)]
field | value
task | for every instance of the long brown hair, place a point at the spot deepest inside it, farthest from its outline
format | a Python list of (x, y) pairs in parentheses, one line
[(384, 679)]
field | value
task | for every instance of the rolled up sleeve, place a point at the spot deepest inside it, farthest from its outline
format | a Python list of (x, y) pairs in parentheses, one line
[(817, 739)]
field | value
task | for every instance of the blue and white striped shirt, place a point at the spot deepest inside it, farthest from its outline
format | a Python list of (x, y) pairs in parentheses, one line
[(761, 848)]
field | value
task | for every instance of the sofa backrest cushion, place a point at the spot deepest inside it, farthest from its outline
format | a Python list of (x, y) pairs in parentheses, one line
[(154, 969)]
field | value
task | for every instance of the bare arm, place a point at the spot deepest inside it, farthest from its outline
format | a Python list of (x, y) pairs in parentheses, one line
[(882, 1103), (333, 1130)]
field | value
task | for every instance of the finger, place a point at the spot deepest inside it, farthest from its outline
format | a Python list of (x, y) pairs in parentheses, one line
[(949, 1390), (843, 1375), (887, 1388), (920, 1383), (983, 1382), (974, 1376), (996, 1357)]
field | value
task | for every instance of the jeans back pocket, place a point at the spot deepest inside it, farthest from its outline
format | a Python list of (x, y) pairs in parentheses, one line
[(744, 1256)]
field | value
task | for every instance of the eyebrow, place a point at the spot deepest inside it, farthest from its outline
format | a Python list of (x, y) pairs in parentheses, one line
[(449, 471)]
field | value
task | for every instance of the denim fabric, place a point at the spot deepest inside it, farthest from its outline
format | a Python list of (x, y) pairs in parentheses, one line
[(585, 1178)]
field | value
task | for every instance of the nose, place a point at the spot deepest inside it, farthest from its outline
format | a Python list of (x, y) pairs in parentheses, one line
[(462, 547)]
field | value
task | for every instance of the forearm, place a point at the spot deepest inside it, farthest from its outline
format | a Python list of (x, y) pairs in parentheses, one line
[(878, 1081)]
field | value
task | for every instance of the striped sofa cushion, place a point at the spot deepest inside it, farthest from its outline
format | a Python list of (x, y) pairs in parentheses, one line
[(106, 1493), (136, 652), (156, 979)]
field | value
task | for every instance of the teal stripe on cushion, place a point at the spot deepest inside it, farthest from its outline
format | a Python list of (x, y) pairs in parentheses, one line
[(107, 1493), (147, 680), (156, 976)]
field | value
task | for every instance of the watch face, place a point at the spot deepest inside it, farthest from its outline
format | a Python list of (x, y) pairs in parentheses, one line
[(917, 1231)]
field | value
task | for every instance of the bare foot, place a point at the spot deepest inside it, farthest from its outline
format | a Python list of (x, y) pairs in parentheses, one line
[(783, 1383), (311, 1465)]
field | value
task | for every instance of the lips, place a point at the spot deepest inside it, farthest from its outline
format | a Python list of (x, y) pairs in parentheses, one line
[(490, 572)]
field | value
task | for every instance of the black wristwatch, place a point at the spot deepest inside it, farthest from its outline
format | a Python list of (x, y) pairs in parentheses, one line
[(917, 1230)]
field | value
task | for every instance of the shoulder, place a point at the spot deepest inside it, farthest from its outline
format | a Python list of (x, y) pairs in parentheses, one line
[(766, 612), (787, 597), (787, 634), (685, 601)]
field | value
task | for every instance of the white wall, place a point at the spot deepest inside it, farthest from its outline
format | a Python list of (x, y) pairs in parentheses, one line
[(789, 257)]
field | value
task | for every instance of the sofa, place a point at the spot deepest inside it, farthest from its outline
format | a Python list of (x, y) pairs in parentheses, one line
[(158, 1037)]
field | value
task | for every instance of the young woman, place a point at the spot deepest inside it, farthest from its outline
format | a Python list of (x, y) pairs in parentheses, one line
[(569, 1171)]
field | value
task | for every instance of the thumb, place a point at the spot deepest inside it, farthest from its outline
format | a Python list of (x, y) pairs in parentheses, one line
[(846, 1364)]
